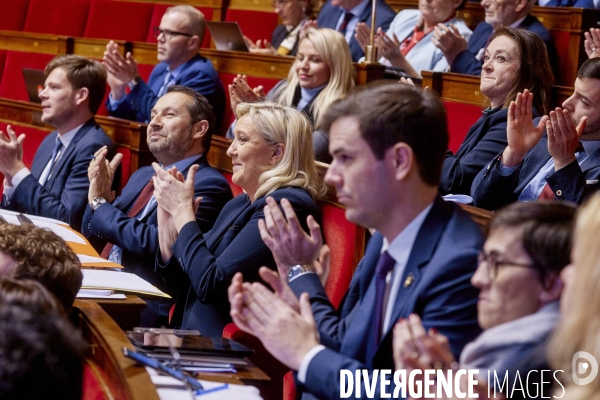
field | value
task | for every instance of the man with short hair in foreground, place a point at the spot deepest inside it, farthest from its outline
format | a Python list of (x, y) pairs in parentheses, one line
[(57, 184), (388, 144)]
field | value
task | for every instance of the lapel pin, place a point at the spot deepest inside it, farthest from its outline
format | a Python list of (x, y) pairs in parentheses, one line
[(409, 280)]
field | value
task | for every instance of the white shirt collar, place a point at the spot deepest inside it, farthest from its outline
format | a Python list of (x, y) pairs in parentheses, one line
[(517, 22), (67, 138)]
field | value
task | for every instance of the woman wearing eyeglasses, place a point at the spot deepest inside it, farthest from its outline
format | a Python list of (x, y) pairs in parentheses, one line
[(295, 16), (527, 247)]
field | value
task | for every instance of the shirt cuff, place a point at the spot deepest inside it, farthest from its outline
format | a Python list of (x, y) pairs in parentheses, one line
[(306, 361), (16, 180), (115, 103), (506, 171)]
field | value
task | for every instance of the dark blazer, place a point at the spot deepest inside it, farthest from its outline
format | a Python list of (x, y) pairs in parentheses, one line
[(466, 63), (65, 194), (198, 73), (139, 239), (203, 264), (491, 190), (443, 259), (485, 139), (329, 16), (279, 34)]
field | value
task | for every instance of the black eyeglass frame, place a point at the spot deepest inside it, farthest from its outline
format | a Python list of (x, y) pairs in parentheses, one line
[(492, 263), (168, 34)]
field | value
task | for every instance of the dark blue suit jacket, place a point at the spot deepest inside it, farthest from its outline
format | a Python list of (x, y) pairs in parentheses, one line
[(442, 261), (203, 264), (466, 63), (570, 3), (329, 16), (198, 73), (139, 239), (491, 190), (485, 139), (65, 194)]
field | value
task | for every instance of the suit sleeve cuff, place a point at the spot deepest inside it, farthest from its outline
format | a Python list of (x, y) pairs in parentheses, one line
[(115, 103), (506, 171), (16, 180), (306, 361)]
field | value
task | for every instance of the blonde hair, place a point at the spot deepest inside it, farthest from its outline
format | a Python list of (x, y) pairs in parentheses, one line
[(280, 124), (579, 328), (334, 50)]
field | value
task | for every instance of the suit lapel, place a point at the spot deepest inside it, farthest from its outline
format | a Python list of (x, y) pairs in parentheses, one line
[(42, 159), (67, 153), (591, 162)]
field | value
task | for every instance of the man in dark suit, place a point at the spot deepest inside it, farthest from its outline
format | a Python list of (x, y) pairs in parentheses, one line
[(179, 37), (57, 184), (420, 260), (555, 159), (467, 58), (344, 15), (179, 135)]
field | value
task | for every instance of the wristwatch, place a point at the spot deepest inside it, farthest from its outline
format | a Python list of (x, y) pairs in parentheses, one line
[(97, 202), (298, 270)]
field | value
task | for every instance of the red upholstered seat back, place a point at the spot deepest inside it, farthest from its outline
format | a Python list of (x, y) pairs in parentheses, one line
[(254, 24), (125, 162), (561, 42), (235, 189), (227, 79), (13, 15), (2, 62), (58, 17), (92, 389), (118, 20), (14, 88), (341, 237), (460, 118), (145, 70), (159, 10)]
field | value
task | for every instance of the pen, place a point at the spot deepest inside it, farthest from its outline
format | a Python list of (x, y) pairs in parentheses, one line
[(24, 220), (142, 359)]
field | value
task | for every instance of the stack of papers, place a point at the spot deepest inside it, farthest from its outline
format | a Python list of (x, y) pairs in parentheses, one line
[(121, 281)]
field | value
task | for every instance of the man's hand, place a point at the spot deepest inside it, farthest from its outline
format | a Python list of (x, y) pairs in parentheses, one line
[(286, 239), (101, 174), (176, 195), (592, 43), (285, 333), (322, 264), (167, 234), (121, 70), (563, 137), (449, 40), (362, 35), (11, 153), (522, 135)]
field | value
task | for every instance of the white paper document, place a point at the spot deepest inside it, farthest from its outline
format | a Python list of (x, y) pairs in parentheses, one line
[(123, 281), (90, 261), (55, 226)]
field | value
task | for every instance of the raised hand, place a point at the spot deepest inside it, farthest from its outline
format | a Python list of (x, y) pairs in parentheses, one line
[(521, 134), (285, 237), (563, 137), (241, 92), (592, 43), (449, 40), (174, 196), (11, 153), (121, 70), (362, 35), (101, 174)]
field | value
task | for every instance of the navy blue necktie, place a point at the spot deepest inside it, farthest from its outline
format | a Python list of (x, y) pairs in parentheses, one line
[(347, 17), (57, 148)]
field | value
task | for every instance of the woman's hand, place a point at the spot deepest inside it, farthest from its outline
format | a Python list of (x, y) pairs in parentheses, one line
[(449, 40), (592, 43), (390, 49), (241, 92), (260, 47), (176, 195)]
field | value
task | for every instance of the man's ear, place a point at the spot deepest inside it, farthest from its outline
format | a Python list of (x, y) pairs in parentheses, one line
[(277, 153), (520, 5), (194, 43), (402, 160), (81, 95), (552, 288), (199, 129)]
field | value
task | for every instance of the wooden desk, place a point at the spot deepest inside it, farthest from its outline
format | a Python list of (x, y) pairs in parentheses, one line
[(126, 313)]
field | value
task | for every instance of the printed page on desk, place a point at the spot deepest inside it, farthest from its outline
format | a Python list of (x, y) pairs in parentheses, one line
[(123, 281), (58, 227)]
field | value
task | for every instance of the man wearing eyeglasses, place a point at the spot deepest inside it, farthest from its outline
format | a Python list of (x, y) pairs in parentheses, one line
[(179, 35)]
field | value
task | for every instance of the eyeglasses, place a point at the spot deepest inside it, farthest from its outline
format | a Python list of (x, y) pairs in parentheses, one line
[(492, 262), (168, 35)]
